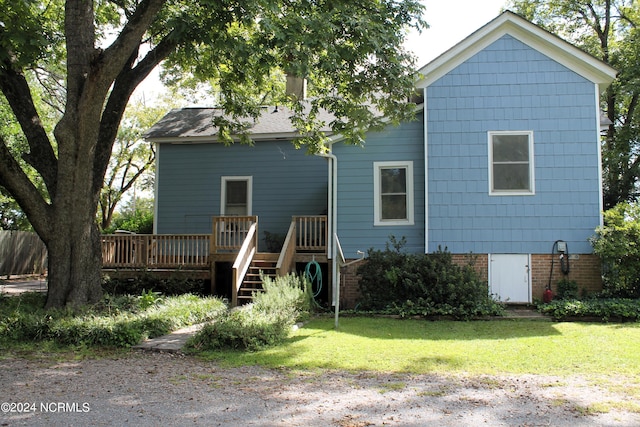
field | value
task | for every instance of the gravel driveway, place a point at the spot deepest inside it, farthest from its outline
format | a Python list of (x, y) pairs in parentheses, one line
[(151, 389)]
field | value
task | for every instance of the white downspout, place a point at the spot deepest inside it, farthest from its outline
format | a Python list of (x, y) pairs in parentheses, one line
[(332, 211)]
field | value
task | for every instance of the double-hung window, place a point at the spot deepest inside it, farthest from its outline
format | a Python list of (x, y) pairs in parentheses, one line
[(511, 170), (393, 193), (236, 195)]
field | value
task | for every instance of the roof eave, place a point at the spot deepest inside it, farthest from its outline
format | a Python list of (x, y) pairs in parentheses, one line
[(537, 38), (208, 139)]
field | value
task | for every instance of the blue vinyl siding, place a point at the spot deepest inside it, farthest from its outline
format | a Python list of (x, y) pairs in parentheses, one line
[(356, 229), (509, 86), (286, 182)]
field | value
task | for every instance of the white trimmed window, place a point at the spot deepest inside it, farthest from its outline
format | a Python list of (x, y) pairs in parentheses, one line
[(393, 193), (236, 195), (511, 170)]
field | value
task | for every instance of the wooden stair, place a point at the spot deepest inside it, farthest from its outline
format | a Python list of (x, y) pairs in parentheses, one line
[(262, 262)]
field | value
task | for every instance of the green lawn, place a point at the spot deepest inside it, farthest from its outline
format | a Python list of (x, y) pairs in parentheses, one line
[(479, 347)]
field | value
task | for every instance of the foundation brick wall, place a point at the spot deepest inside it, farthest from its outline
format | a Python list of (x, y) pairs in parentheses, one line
[(585, 271), (349, 291), (478, 261)]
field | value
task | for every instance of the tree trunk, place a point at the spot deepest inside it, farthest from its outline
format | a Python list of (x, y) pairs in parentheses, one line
[(74, 264)]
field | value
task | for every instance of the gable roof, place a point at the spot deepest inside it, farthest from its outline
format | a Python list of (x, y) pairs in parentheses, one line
[(530, 34), (195, 124)]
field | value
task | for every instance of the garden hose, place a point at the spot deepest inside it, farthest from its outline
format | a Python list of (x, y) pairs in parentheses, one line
[(314, 277)]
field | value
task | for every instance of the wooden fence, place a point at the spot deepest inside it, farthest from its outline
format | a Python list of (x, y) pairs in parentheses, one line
[(21, 252)]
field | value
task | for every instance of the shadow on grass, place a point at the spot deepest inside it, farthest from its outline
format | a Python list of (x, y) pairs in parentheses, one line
[(416, 329), (393, 345)]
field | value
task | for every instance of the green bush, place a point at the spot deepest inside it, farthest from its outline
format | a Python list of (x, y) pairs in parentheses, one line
[(605, 309), (146, 282), (265, 322), (290, 296), (138, 221), (116, 321), (617, 243), (567, 289), (395, 282)]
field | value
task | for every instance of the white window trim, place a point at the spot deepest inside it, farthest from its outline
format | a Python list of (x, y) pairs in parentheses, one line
[(377, 208), (223, 192), (532, 177)]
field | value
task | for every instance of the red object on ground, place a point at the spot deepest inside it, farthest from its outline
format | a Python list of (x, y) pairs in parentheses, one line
[(547, 296)]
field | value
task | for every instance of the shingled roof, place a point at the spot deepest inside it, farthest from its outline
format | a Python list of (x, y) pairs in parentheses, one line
[(196, 124)]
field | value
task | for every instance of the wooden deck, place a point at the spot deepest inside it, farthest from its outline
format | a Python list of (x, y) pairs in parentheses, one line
[(233, 239)]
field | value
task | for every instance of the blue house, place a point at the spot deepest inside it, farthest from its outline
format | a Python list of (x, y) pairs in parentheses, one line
[(503, 161)]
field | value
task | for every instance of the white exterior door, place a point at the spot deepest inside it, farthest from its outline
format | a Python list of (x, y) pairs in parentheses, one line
[(509, 277)]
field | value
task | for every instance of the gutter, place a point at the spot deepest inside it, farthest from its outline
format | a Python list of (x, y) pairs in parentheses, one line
[(332, 211)]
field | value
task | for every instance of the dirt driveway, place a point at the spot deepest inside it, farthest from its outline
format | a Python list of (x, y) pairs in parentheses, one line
[(151, 389)]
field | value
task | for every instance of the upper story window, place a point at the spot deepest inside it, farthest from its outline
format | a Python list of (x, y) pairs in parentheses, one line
[(236, 195), (511, 163), (393, 193)]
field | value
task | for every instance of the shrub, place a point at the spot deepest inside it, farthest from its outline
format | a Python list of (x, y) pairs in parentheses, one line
[(417, 284), (146, 282), (116, 321), (288, 295), (265, 322), (138, 221), (567, 289), (605, 309), (617, 243)]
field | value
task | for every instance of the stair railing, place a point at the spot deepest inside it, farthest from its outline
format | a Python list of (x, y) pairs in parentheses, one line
[(243, 260), (287, 254)]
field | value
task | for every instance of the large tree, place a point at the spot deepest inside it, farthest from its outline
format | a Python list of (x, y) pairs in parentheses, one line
[(608, 29), (132, 159), (350, 51)]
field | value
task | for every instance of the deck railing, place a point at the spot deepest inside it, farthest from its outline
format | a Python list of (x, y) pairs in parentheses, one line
[(155, 250), (311, 233), (307, 234), (229, 232)]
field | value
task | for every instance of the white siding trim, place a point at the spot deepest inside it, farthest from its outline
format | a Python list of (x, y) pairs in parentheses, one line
[(156, 185), (426, 173), (600, 178)]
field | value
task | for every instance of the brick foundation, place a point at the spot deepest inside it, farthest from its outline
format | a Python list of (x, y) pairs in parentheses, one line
[(349, 291), (584, 269)]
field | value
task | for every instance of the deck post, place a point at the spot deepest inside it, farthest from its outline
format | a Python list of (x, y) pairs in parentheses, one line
[(212, 275)]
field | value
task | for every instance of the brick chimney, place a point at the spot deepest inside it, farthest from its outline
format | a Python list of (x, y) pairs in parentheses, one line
[(296, 87)]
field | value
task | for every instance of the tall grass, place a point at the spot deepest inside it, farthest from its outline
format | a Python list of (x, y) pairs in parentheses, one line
[(117, 321)]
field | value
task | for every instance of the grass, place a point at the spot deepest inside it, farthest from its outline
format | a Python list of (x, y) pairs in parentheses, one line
[(361, 343), (418, 346)]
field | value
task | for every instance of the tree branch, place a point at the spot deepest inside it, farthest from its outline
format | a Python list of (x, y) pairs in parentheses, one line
[(124, 85), (631, 108), (116, 56), (15, 88), (13, 178)]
